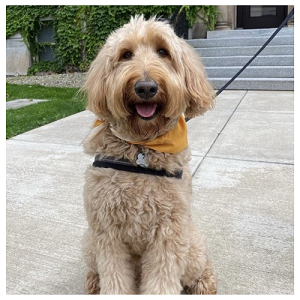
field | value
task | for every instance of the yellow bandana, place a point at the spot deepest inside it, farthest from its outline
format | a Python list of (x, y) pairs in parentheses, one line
[(173, 141)]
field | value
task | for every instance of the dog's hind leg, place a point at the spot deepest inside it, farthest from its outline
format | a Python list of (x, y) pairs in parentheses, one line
[(92, 283), (199, 277)]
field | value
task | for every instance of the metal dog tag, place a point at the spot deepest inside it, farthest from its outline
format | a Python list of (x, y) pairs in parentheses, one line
[(142, 160)]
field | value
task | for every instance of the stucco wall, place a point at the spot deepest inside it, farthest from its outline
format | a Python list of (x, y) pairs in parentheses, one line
[(18, 58)]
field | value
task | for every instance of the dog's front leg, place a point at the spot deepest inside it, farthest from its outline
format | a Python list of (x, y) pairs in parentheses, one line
[(115, 268), (163, 265)]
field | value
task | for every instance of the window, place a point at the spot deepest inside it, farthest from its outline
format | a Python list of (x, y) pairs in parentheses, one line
[(262, 10), (46, 40)]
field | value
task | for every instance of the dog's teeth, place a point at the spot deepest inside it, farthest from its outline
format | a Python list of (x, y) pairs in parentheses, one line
[(146, 110)]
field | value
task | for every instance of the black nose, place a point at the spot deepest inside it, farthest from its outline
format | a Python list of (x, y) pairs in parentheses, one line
[(146, 89)]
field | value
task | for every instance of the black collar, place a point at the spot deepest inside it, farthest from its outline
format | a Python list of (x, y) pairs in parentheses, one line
[(126, 165)]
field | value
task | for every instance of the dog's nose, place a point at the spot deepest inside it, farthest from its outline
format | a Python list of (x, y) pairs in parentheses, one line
[(146, 89)]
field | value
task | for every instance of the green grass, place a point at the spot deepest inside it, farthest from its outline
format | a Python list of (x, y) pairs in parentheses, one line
[(62, 102)]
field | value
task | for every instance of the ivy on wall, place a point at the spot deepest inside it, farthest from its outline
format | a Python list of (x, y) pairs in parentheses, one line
[(26, 20), (80, 30)]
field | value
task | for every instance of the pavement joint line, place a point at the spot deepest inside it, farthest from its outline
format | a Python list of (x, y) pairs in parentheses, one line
[(252, 160), (263, 112), (41, 142), (214, 141)]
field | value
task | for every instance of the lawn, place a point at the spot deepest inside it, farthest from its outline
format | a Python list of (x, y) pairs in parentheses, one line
[(62, 102)]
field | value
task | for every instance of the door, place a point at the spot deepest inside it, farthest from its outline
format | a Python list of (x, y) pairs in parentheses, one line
[(260, 16)]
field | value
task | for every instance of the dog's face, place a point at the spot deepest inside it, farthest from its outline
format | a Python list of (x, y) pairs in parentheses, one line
[(144, 78)]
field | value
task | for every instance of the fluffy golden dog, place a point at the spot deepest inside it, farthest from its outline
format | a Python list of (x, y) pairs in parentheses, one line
[(141, 238)]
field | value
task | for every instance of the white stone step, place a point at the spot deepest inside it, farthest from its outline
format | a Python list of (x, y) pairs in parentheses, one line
[(261, 60), (245, 51), (237, 33), (251, 72), (240, 41), (271, 84), (224, 53)]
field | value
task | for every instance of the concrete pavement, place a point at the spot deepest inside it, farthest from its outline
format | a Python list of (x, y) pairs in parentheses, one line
[(242, 162)]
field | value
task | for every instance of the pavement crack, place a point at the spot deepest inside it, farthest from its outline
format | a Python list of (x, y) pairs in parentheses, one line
[(219, 133)]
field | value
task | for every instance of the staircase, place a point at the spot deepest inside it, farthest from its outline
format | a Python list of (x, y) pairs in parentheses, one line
[(224, 53)]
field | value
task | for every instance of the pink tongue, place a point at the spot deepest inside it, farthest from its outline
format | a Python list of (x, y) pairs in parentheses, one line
[(146, 110)]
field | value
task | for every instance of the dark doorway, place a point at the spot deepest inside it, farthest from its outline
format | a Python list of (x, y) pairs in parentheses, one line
[(180, 24), (260, 16)]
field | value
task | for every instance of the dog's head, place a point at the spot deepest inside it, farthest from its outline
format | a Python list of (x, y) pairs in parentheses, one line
[(144, 78)]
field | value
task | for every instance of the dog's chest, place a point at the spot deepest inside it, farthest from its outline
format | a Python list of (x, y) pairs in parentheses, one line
[(133, 205)]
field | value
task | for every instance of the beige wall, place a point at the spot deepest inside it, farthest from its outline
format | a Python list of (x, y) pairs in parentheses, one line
[(291, 21), (226, 18)]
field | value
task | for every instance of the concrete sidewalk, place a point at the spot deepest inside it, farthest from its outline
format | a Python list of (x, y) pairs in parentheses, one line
[(243, 197)]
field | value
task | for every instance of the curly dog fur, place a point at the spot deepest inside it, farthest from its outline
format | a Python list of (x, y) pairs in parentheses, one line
[(141, 238)]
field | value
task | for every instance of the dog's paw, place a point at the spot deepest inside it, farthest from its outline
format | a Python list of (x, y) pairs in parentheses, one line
[(205, 285), (92, 283)]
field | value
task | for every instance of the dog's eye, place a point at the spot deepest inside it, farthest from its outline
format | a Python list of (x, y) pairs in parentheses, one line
[(127, 55), (162, 52)]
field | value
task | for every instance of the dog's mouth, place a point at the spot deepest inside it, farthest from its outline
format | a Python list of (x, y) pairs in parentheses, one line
[(147, 110)]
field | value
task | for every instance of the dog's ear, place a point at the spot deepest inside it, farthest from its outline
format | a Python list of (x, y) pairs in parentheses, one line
[(95, 86), (199, 92)]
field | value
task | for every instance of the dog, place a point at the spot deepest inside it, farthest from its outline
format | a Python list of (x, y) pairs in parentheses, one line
[(137, 194)]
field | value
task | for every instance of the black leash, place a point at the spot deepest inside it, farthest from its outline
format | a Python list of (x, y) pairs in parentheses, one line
[(257, 53), (254, 56), (125, 165)]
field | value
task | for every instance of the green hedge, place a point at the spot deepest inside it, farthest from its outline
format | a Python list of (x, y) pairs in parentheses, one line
[(80, 30)]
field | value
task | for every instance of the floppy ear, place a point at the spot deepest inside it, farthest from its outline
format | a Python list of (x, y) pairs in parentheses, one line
[(95, 86), (199, 92)]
